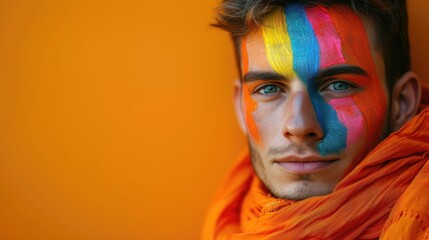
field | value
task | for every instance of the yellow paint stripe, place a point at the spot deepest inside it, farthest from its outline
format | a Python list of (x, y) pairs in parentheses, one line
[(277, 43)]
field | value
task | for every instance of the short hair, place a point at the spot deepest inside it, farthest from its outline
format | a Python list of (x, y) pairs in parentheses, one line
[(389, 20)]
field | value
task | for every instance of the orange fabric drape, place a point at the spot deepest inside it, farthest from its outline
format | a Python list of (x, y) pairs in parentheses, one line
[(386, 195)]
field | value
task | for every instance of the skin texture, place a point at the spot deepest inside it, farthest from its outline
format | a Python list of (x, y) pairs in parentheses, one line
[(313, 98)]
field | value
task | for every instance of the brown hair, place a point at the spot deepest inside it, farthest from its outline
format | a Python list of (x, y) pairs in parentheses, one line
[(389, 18)]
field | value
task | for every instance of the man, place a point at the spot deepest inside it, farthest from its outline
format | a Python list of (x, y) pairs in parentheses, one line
[(338, 136)]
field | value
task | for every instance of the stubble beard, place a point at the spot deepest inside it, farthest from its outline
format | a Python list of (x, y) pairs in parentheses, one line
[(301, 191)]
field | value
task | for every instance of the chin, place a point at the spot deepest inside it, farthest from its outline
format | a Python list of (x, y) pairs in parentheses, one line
[(300, 190)]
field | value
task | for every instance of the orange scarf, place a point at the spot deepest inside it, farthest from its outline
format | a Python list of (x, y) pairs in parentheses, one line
[(385, 196)]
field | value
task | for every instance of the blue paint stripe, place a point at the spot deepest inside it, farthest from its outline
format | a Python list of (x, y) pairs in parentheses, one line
[(304, 42), (306, 59)]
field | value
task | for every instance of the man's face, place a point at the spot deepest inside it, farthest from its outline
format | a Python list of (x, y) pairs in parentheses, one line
[(313, 98)]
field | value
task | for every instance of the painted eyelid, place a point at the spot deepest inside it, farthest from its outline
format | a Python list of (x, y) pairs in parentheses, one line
[(351, 90)]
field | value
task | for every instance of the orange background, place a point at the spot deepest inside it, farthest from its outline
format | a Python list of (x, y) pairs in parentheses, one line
[(116, 116)]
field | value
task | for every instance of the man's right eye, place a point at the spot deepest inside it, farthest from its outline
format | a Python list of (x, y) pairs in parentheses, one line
[(339, 86), (269, 90)]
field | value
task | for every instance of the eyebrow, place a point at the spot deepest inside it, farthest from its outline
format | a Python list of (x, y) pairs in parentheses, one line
[(260, 75), (341, 69), (324, 73)]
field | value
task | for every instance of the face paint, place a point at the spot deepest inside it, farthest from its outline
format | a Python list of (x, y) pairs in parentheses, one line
[(326, 35), (291, 50), (250, 104), (349, 115), (372, 102), (304, 42), (277, 44), (306, 63)]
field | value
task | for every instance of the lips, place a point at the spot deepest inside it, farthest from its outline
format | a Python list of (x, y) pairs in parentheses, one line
[(296, 165)]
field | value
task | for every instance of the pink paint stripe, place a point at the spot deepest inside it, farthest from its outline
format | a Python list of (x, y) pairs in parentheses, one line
[(329, 41), (351, 116)]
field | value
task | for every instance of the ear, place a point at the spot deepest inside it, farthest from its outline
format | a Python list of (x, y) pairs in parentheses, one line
[(238, 105), (406, 94)]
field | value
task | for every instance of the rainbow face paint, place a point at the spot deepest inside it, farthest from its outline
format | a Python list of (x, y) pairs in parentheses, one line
[(305, 44), (311, 87)]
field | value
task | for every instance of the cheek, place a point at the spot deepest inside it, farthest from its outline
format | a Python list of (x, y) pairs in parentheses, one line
[(363, 116), (373, 105), (249, 107)]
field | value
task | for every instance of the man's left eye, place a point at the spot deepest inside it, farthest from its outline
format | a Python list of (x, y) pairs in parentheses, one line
[(339, 86)]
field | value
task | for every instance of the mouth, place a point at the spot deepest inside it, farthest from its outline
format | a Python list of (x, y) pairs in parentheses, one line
[(296, 165)]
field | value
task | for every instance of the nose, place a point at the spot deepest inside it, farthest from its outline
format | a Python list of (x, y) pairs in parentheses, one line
[(301, 124)]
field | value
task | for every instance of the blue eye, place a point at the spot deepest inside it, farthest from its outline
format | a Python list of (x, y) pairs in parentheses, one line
[(339, 86), (269, 89)]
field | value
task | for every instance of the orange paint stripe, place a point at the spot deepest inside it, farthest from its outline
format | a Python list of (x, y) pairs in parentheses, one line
[(356, 48)]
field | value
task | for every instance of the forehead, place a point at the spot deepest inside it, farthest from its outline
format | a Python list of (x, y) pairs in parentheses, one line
[(319, 36)]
